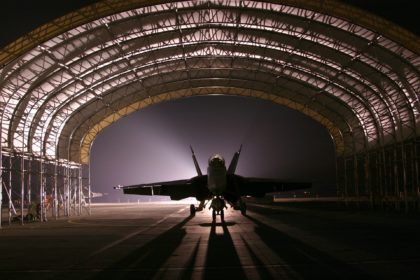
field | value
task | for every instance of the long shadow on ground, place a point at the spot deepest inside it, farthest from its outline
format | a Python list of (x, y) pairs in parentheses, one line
[(146, 261), (300, 260), (222, 259)]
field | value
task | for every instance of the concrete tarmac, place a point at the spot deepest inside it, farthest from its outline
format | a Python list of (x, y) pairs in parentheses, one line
[(161, 241)]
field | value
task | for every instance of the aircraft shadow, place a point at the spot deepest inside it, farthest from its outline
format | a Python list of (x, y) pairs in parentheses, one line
[(222, 260), (291, 258), (300, 260), (146, 261)]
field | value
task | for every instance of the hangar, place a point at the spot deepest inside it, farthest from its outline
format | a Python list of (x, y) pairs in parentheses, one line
[(355, 73)]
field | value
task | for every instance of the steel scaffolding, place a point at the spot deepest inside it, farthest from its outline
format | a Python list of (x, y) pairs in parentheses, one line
[(56, 191), (382, 178)]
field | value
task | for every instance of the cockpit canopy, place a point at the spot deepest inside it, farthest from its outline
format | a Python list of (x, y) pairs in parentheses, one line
[(216, 161)]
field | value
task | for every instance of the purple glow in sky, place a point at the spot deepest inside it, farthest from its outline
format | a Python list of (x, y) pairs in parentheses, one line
[(152, 145)]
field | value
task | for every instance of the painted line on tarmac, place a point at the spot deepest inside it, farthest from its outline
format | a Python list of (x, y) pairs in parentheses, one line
[(128, 236)]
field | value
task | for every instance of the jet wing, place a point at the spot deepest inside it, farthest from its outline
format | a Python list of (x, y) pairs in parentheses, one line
[(258, 187), (176, 190)]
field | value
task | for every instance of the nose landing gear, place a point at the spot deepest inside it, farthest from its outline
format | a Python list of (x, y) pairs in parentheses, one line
[(221, 213), (218, 204)]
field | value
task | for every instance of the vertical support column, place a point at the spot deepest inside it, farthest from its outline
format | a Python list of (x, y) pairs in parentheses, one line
[(368, 186), (356, 179), (89, 189), (380, 163), (337, 178), (10, 189), (67, 189), (55, 206), (404, 176), (416, 168), (41, 190), (345, 183), (22, 178), (73, 192), (29, 186), (70, 188), (416, 180), (387, 173), (22, 187), (62, 193), (1, 178), (80, 186), (395, 173)]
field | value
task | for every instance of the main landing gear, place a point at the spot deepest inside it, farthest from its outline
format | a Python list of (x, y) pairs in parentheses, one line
[(240, 205), (194, 209)]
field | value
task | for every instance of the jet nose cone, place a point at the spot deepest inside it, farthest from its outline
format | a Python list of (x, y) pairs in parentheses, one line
[(216, 160)]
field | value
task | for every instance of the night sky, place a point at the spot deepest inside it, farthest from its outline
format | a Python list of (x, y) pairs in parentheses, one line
[(153, 144)]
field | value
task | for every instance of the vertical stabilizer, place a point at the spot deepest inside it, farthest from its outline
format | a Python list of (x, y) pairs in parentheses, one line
[(234, 162), (197, 167)]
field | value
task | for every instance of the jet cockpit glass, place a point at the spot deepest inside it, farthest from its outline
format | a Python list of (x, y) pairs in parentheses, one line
[(216, 161)]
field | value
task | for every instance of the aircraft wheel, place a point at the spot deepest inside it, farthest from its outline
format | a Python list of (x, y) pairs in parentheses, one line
[(192, 210), (214, 215), (222, 215), (243, 208)]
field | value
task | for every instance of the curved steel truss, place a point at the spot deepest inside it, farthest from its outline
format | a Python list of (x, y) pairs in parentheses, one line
[(115, 57)]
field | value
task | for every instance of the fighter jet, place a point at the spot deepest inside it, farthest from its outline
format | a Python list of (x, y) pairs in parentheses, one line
[(219, 186), (92, 194)]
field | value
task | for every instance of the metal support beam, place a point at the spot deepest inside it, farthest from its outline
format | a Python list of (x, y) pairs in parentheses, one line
[(66, 191), (1, 176), (404, 176), (89, 189), (396, 178), (29, 184), (79, 188), (416, 168), (22, 188), (10, 190), (345, 183), (55, 201), (356, 179), (41, 191), (368, 185), (1, 183), (337, 178)]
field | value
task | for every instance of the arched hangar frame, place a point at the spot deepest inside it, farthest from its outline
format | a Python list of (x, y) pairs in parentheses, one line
[(355, 73)]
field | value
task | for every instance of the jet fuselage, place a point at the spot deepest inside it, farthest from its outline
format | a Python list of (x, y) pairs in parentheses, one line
[(216, 175)]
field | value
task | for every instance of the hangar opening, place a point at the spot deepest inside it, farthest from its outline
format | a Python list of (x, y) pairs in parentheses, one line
[(152, 145)]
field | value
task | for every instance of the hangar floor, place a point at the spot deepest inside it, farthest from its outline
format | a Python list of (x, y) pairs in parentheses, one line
[(160, 240)]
